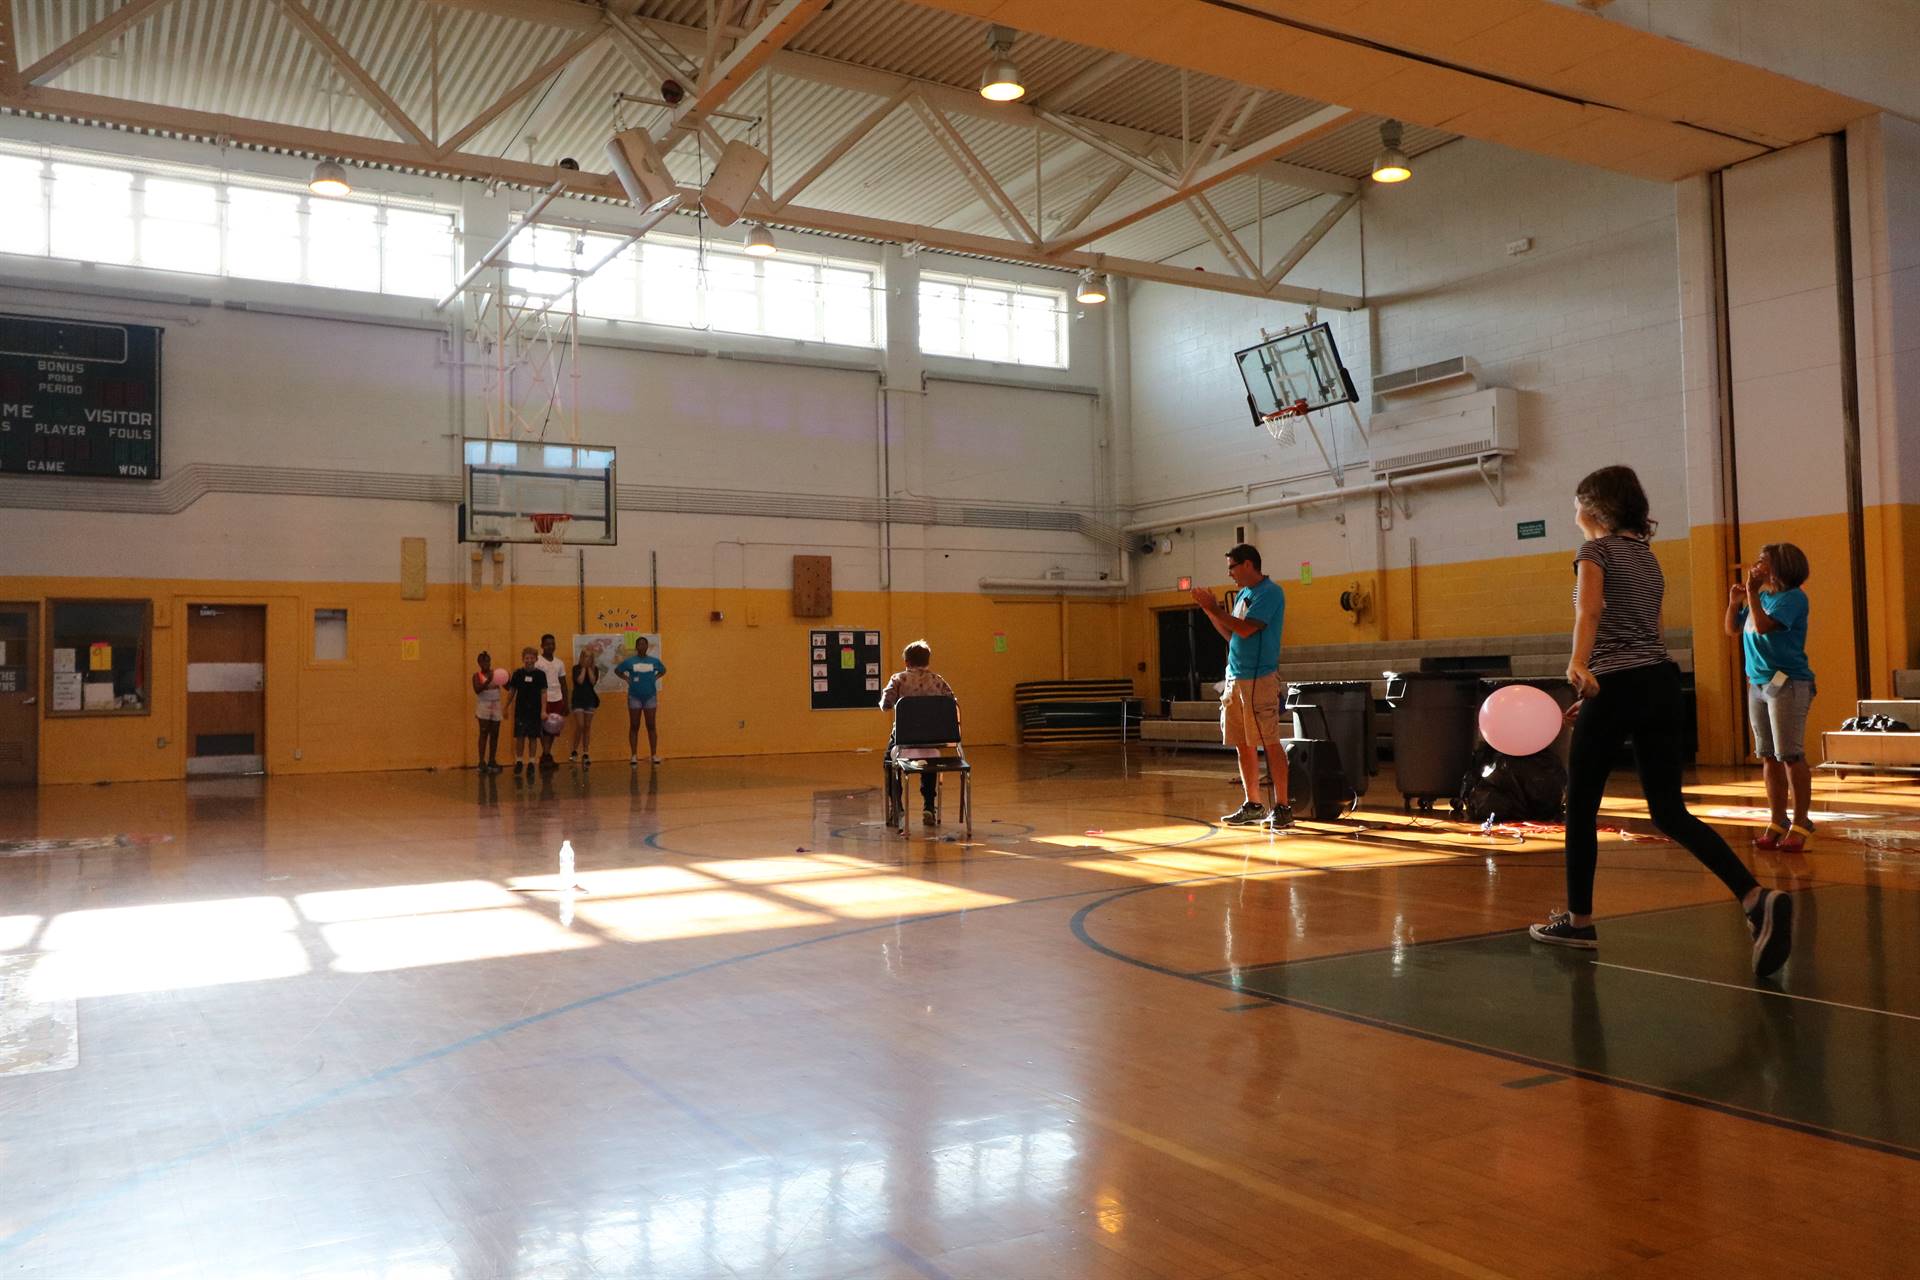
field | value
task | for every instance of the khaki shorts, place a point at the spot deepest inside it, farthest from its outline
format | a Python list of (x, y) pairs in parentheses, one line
[(1250, 711)]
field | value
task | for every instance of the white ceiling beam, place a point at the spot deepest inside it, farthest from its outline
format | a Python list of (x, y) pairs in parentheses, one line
[(847, 142), (1311, 237), (1242, 160), (1216, 133), (991, 193), (236, 130), (551, 13), (634, 42), (89, 40), (1088, 136), (1094, 199), (356, 75), (1014, 251), (1085, 82), (1223, 238), (718, 83), (574, 48), (957, 101), (555, 101)]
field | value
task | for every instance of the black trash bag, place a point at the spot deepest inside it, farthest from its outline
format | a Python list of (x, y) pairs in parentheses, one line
[(1504, 788)]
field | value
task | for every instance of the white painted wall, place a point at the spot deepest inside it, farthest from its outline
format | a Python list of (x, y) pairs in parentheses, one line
[(1866, 49), (337, 381), (1584, 326)]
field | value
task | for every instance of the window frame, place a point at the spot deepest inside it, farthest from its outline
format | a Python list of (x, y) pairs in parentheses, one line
[(224, 184), (50, 635), (1060, 297), (314, 661)]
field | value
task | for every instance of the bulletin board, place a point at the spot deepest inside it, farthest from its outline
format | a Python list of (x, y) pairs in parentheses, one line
[(843, 666)]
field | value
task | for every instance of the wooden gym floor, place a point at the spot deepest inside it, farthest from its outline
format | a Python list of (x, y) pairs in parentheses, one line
[(350, 1026)]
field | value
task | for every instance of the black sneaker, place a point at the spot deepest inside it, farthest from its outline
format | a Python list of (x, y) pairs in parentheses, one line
[(1771, 923), (1561, 931), (1280, 818), (1247, 815), (929, 818), (517, 767)]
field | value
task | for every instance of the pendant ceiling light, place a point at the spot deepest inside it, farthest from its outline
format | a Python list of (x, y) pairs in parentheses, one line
[(1001, 82), (329, 179), (760, 243), (1391, 164), (1092, 288)]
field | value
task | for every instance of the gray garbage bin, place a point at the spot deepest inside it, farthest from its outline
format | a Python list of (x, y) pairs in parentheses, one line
[(1342, 711), (1562, 693), (1434, 723)]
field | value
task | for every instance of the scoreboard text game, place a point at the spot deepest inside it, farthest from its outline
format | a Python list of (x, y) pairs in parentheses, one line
[(79, 399)]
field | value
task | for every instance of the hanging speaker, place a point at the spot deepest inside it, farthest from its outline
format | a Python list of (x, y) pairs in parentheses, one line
[(641, 168), (735, 176)]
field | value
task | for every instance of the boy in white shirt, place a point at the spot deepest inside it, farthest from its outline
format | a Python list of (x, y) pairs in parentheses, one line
[(556, 704)]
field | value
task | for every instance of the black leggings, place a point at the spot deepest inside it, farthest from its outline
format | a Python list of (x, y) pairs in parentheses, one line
[(1642, 703)]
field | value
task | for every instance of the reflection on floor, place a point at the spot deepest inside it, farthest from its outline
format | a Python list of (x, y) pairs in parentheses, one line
[(360, 1025)]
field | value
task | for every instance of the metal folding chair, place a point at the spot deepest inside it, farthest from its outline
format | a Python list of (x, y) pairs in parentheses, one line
[(926, 740)]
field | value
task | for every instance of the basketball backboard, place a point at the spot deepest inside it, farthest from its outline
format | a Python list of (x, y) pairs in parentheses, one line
[(511, 482), (1296, 372)]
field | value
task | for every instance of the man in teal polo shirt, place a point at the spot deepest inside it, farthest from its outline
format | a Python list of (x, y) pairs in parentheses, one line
[(1250, 707)]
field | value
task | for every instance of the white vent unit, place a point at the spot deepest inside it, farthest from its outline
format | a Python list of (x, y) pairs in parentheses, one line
[(1439, 433)]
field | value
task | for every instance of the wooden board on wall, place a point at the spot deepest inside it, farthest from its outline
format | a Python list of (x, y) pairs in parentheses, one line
[(813, 586), (413, 569)]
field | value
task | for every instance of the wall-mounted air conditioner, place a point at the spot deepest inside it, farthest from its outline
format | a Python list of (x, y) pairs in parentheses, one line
[(1439, 433)]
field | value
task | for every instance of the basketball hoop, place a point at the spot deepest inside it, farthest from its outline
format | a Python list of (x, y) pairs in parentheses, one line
[(552, 528), (1279, 423)]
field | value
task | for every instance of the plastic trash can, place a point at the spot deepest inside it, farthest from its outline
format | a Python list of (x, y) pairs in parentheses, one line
[(1435, 716), (1342, 711)]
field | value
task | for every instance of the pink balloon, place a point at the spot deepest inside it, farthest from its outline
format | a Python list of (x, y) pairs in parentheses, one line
[(499, 677), (1518, 720)]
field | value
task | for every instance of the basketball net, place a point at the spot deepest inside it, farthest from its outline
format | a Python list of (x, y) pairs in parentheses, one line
[(552, 528), (1280, 422)]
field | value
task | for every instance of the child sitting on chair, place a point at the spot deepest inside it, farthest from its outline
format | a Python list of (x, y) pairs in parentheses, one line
[(917, 680)]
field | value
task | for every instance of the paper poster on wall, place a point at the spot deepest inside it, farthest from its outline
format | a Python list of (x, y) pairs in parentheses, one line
[(1306, 571), (819, 686), (609, 650), (100, 656), (3, 653), (846, 637), (409, 648), (9, 680), (63, 660), (873, 685), (846, 660), (97, 695), (819, 640), (66, 689), (999, 642), (873, 639), (873, 668), (819, 670)]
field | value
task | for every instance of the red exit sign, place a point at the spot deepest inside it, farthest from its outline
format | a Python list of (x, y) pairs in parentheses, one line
[(1185, 584)]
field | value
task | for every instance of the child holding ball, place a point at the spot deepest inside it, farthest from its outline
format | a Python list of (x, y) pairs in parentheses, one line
[(1769, 614)]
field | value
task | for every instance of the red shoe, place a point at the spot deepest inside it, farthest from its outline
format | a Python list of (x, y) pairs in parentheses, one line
[(1771, 837), (1796, 839)]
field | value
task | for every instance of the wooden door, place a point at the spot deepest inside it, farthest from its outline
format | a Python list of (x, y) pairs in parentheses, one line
[(19, 694), (226, 688)]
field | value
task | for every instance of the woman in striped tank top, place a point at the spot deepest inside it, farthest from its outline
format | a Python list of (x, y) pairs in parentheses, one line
[(1629, 688)]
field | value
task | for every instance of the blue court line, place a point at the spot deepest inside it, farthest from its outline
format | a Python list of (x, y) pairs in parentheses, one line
[(39, 1227)]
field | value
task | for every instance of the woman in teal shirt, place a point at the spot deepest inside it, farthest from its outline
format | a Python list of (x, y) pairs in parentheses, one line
[(1780, 685)]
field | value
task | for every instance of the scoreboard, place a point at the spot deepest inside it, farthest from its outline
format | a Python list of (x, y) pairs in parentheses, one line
[(78, 398)]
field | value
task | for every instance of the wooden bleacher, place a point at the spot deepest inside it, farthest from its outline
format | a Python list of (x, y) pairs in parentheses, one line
[(1056, 711)]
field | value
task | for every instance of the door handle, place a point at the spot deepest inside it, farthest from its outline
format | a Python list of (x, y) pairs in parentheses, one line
[(28, 701)]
